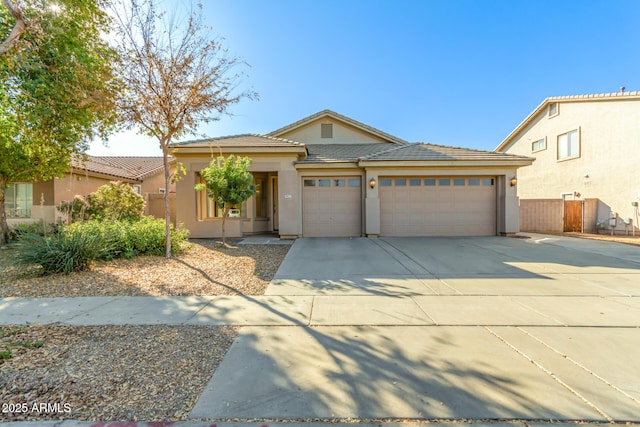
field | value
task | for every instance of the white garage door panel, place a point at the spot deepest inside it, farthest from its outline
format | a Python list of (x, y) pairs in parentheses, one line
[(333, 210), (438, 210)]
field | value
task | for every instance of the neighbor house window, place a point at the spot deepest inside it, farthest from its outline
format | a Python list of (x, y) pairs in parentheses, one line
[(553, 109), (569, 145), (326, 130), (137, 189), (18, 200), (538, 145), (385, 182)]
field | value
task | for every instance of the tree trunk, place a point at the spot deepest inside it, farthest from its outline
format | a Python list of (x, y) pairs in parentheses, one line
[(225, 211), (4, 228), (167, 211)]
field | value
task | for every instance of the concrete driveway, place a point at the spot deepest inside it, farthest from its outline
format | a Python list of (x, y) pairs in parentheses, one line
[(542, 328)]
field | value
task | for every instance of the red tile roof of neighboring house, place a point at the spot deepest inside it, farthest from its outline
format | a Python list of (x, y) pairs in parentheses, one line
[(130, 168)]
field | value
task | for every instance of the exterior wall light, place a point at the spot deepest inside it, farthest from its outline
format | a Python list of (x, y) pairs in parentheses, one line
[(372, 183), (513, 181)]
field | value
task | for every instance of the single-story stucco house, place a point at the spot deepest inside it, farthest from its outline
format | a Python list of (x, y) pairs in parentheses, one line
[(585, 176), (28, 202), (330, 175)]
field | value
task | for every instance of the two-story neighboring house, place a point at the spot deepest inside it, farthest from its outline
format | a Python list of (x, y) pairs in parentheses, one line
[(587, 167)]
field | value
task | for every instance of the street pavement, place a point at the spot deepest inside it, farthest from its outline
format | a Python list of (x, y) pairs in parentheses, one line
[(542, 328)]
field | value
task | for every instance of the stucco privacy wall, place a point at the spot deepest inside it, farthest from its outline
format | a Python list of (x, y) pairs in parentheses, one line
[(547, 215), (288, 196), (609, 132), (506, 197)]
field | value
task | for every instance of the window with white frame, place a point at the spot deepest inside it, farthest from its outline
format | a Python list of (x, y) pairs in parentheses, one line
[(539, 145), (569, 145)]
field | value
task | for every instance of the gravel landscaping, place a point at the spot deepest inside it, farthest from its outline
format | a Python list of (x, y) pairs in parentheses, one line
[(204, 269), (117, 373)]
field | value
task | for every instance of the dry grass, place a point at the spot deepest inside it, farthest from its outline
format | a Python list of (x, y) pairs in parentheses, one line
[(205, 269)]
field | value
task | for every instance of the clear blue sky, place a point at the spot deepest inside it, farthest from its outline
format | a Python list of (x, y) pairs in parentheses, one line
[(450, 72)]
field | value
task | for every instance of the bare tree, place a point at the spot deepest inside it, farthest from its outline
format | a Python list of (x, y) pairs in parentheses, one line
[(176, 77)]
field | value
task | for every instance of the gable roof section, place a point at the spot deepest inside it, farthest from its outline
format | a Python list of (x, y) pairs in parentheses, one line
[(339, 117), (425, 152), (614, 96)]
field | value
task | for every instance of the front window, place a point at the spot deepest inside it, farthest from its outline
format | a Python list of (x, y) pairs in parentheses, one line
[(569, 145), (208, 208), (18, 200), (261, 196)]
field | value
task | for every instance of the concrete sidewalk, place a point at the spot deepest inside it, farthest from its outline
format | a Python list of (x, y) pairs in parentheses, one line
[(328, 310)]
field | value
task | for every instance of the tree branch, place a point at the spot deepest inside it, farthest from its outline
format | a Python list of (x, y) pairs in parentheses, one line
[(18, 29)]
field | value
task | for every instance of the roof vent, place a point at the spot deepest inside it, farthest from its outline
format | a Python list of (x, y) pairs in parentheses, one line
[(622, 88), (326, 130)]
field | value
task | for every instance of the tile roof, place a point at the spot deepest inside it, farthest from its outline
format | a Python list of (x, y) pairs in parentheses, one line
[(326, 153), (245, 140), (612, 96), (132, 168), (341, 118), (427, 152)]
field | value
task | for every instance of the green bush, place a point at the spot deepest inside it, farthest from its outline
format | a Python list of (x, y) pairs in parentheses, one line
[(63, 252), (126, 239), (115, 201), (114, 234)]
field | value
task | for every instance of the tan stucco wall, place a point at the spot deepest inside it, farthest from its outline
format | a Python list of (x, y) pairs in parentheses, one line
[(288, 198), (342, 134), (152, 183), (606, 170)]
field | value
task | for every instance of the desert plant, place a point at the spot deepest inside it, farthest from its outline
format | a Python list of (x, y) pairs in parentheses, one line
[(40, 228), (64, 252), (114, 235), (74, 210)]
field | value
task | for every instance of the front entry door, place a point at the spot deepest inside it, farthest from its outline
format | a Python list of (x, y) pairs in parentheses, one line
[(274, 203), (573, 215)]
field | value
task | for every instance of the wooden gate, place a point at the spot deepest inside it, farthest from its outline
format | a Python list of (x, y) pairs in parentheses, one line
[(573, 215)]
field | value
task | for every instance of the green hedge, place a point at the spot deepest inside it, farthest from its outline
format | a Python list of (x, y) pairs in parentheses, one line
[(75, 245), (126, 239)]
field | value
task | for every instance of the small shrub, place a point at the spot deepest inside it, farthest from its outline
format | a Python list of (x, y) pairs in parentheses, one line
[(115, 201), (75, 210), (64, 252)]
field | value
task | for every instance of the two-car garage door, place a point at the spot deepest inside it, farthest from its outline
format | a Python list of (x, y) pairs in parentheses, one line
[(409, 206), (437, 206)]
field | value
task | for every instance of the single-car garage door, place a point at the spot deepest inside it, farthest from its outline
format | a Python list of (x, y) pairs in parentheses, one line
[(437, 206), (331, 206)]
